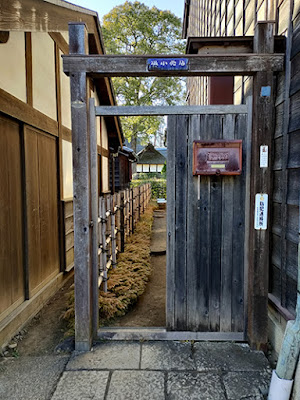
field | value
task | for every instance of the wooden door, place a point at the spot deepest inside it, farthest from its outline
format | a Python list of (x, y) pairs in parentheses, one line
[(207, 221), (11, 217), (42, 208)]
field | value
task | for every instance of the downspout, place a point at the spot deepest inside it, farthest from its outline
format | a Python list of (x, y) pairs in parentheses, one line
[(282, 377)]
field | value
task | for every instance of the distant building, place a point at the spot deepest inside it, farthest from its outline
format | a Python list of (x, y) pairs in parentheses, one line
[(151, 159)]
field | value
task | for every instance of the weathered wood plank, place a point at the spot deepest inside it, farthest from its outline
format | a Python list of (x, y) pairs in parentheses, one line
[(180, 223), (204, 247), (238, 234), (168, 110), (197, 313), (171, 138), (215, 129), (227, 210), (208, 64), (247, 145)]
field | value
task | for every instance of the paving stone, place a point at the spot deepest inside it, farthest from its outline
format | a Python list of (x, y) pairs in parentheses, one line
[(167, 356), (108, 355), (211, 356), (81, 385), (246, 385), (30, 378), (194, 386), (136, 385)]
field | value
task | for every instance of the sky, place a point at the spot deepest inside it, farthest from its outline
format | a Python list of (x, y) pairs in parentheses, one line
[(104, 6)]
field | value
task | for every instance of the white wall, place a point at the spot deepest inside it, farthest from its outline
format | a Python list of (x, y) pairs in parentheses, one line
[(65, 97), (43, 71), (67, 169), (13, 66)]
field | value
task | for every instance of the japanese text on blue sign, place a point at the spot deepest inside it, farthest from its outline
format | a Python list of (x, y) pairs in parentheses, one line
[(167, 64)]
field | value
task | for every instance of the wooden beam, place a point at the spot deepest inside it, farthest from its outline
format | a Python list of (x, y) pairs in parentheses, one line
[(207, 64), (28, 60), (66, 133), (81, 185), (102, 151), (60, 41), (168, 110), (16, 108), (260, 182)]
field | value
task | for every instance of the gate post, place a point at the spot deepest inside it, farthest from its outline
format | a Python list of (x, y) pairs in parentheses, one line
[(81, 189), (263, 124)]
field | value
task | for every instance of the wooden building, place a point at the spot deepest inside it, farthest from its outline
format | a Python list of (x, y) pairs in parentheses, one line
[(238, 18), (150, 160), (36, 210)]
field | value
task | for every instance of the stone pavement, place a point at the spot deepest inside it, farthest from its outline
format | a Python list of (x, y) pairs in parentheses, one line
[(156, 370)]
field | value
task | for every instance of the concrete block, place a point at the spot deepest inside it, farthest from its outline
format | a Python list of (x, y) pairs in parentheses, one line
[(108, 355), (78, 385), (194, 386), (167, 356), (249, 385), (30, 378), (220, 356), (137, 385)]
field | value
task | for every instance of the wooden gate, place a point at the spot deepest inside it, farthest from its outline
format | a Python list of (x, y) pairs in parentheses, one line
[(207, 229)]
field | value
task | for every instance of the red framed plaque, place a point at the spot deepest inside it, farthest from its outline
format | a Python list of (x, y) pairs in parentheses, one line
[(218, 157)]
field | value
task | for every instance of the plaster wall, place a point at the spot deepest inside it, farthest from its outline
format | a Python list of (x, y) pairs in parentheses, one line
[(43, 71), (12, 66)]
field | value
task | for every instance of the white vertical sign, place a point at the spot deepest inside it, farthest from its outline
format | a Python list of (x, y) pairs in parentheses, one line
[(264, 151), (261, 211)]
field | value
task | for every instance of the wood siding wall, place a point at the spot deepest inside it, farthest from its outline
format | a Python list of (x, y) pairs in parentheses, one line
[(41, 206), (238, 18), (11, 214)]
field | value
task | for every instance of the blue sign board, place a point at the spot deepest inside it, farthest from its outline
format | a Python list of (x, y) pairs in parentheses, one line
[(167, 64)]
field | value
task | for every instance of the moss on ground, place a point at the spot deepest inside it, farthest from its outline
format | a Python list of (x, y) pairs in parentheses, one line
[(128, 281)]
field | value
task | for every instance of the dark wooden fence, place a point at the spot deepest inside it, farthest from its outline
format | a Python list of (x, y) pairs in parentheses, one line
[(118, 215)]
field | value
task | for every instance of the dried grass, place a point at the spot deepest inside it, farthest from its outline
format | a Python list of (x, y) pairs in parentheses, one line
[(128, 281)]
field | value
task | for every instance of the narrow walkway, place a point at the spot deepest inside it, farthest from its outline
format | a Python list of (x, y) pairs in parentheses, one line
[(149, 311), (165, 371), (140, 371)]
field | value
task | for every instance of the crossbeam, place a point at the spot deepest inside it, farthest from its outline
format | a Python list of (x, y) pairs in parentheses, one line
[(205, 64), (168, 110)]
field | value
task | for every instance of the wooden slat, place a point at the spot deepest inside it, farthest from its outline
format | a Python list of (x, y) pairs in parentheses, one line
[(212, 64), (180, 223), (170, 224), (228, 209), (215, 130), (197, 313), (168, 110), (238, 234)]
